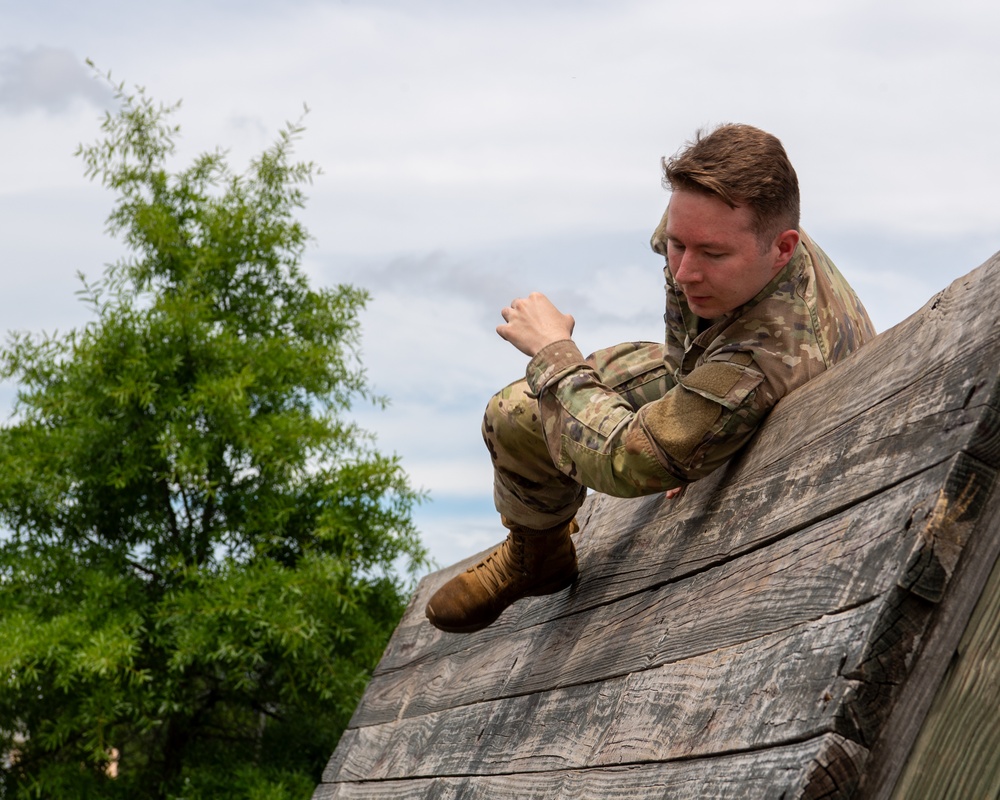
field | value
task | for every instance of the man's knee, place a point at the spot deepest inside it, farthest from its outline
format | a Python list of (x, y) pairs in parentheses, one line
[(511, 421)]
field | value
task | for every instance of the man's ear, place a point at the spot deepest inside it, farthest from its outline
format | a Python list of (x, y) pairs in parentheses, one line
[(786, 243)]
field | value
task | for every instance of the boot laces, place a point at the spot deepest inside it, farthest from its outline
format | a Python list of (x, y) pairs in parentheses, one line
[(502, 565)]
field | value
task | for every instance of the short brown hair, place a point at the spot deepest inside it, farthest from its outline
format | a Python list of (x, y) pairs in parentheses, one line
[(741, 165)]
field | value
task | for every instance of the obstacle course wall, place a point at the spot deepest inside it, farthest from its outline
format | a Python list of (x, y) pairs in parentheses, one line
[(781, 630)]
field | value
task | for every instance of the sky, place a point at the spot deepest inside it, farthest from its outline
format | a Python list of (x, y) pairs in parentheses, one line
[(474, 152)]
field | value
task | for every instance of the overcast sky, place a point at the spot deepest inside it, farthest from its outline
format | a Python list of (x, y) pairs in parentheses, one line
[(474, 152)]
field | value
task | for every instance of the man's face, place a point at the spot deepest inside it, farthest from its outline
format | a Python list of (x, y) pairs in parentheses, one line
[(714, 255)]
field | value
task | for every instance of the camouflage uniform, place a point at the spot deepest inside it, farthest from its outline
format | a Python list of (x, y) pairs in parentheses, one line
[(642, 417)]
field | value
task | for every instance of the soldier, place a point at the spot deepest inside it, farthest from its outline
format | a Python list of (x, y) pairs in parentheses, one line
[(754, 310)]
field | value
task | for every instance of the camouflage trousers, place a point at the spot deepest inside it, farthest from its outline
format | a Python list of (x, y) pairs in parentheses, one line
[(528, 489)]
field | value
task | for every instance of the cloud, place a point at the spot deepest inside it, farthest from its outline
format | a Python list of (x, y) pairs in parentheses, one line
[(47, 78), (476, 152), (607, 277)]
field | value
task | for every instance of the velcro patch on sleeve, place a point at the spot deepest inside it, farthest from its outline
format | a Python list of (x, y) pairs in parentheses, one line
[(724, 383), (679, 422)]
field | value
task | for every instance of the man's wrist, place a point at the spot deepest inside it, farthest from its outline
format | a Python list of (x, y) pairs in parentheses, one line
[(552, 362)]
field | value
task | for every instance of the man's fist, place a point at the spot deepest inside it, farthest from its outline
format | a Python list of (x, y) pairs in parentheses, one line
[(532, 322)]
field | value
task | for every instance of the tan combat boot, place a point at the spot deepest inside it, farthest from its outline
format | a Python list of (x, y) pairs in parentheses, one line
[(528, 564)]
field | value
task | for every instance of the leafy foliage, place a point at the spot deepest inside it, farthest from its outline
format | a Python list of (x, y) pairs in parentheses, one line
[(200, 563)]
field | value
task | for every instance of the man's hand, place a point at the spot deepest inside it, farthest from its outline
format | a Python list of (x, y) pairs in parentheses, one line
[(532, 322)]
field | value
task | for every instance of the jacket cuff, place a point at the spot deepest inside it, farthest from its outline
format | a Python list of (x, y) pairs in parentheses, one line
[(552, 363)]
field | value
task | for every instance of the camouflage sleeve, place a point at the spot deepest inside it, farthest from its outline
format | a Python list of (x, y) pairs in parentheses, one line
[(596, 438)]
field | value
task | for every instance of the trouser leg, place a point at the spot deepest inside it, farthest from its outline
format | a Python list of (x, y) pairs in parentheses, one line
[(528, 489)]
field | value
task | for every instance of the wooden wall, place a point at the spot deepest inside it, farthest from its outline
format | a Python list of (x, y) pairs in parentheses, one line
[(781, 630)]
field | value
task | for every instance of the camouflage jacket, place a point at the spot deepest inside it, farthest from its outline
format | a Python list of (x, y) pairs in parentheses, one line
[(721, 381)]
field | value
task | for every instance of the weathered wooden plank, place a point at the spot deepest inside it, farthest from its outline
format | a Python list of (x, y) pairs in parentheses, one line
[(962, 729), (882, 662), (840, 562), (834, 773), (641, 543), (938, 645), (798, 767), (825, 767), (778, 689), (891, 646), (942, 532)]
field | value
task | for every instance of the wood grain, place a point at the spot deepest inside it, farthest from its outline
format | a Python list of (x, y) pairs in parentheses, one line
[(838, 563), (826, 767), (770, 691), (963, 725)]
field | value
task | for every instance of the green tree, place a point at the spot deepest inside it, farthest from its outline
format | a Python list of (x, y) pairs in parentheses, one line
[(202, 557)]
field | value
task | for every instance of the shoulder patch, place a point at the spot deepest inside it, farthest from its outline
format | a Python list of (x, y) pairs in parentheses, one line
[(713, 378)]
